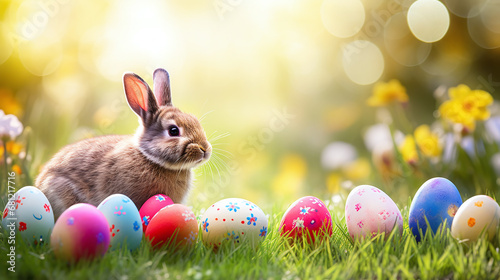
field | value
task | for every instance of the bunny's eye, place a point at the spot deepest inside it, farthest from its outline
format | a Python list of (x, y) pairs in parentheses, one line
[(173, 130)]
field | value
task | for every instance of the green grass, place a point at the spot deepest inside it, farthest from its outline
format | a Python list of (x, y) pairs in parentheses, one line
[(438, 256)]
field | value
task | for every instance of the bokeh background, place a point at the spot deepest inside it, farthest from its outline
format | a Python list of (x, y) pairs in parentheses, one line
[(282, 87)]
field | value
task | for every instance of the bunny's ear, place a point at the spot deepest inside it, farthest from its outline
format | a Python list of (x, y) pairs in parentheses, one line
[(162, 87), (139, 95)]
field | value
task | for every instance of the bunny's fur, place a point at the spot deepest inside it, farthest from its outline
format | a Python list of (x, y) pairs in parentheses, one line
[(139, 166)]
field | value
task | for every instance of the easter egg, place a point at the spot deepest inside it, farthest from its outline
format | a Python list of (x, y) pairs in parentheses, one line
[(124, 221), (29, 213), (233, 221), (437, 200), (151, 207), (81, 232), (370, 211), (306, 217), (478, 214), (174, 226)]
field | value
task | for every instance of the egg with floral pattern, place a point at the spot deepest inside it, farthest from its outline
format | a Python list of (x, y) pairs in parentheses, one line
[(370, 211), (233, 221), (124, 221), (151, 207), (435, 204), (174, 227), (477, 215), (29, 213), (81, 232), (307, 217)]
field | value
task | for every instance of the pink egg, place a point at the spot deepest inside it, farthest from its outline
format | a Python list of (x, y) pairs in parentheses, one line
[(308, 216), (174, 225), (369, 211), (151, 207), (81, 232)]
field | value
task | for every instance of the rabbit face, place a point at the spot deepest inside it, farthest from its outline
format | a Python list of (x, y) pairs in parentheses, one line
[(175, 140), (167, 136)]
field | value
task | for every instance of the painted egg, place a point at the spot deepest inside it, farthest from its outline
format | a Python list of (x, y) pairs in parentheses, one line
[(308, 216), (174, 226), (436, 201), (233, 221), (478, 214), (151, 207), (370, 211), (81, 232), (124, 221), (29, 213)]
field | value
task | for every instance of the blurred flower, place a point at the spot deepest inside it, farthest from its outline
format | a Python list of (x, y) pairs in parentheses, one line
[(466, 106), (333, 182), (449, 151), (386, 93), (384, 160), (338, 154), (409, 150), (292, 172), (493, 128), (427, 142), (380, 135), (10, 126), (17, 169), (357, 170), (9, 104), (13, 148)]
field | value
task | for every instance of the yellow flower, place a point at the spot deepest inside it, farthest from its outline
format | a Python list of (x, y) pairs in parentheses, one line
[(13, 148), (386, 93), (293, 170), (427, 142), (9, 103), (357, 170), (408, 150), (466, 106), (333, 182), (17, 169)]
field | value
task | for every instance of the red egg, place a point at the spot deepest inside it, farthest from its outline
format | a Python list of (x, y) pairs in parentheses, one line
[(174, 225), (308, 216), (151, 207)]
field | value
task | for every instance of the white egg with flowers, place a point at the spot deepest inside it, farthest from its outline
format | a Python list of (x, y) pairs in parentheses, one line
[(369, 211), (233, 220), (29, 213)]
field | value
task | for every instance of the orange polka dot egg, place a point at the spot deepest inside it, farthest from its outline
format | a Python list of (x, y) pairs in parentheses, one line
[(477, 215), (233, 220)]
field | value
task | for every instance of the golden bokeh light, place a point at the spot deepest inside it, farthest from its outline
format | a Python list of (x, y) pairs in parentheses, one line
[(343, 19), (363, 62), (428, 20)]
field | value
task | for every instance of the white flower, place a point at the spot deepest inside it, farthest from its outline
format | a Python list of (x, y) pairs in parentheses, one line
[(338, 154), (304, 210), (10, 126), (298, 223)]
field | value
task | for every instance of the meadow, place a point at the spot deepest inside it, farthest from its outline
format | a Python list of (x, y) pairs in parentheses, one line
[(399, 257), (297, 98)]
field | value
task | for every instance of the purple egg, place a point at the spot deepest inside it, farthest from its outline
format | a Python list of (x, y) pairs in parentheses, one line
[(81, 232)]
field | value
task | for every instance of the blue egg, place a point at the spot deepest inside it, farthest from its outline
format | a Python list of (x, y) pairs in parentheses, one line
[(437, 200), (125, 226)]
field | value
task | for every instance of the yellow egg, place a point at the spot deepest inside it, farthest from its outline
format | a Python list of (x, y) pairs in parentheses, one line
[(478, 214)]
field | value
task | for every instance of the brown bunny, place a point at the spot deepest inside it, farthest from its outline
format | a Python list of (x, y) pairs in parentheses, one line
[(157, 159)]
